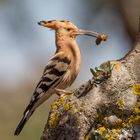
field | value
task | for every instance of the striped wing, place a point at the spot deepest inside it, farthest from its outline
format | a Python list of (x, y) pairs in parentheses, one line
[(52, 75)]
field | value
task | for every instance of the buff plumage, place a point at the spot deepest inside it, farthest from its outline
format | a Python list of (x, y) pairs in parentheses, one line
[(61, 70)]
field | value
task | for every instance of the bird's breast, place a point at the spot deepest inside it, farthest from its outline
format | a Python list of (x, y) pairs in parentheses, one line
[(72, 51)]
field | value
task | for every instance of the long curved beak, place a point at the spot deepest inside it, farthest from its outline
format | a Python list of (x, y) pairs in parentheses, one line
[(100, 37)]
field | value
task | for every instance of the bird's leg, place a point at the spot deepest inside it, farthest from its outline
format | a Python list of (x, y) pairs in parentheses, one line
[(61, 92)]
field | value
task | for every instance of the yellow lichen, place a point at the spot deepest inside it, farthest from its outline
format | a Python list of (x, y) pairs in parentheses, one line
[(88, 137), (54, 106), (59, 102), (62, 98), (124, 124), (53, 120), (117, 66), (134, 120), (102, 130), (138, 104), (121, 103), (112, 134), (107, 136), (68, 105), (75, 110), (103, 133), (137, 120), (136, 110), (119, 122), (136, 88)]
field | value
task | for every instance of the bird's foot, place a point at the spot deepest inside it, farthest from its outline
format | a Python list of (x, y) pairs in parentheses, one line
[(61, 92)]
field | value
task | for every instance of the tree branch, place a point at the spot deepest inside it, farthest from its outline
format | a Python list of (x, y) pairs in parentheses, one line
[(102, 104)]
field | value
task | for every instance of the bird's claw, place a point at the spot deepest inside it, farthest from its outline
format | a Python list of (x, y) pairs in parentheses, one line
[(62, 92)]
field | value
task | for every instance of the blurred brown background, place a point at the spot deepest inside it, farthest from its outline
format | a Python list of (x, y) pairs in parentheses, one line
[(26, 47)]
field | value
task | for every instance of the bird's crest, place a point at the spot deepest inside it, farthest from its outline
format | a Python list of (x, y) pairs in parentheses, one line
[(55, 24)]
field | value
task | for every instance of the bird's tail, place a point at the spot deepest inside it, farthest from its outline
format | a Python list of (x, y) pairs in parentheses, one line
[(23, 121)]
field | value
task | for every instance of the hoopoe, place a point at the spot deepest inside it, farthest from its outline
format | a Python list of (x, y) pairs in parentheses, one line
[(62, 68)]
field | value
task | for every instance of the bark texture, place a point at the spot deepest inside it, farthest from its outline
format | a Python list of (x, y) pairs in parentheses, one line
[(73, 117)]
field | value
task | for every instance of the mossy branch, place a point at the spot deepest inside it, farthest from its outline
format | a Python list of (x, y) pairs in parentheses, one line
[(106, 106)]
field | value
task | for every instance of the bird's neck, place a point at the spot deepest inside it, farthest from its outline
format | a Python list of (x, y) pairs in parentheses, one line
[(71, 49), (64, 42)]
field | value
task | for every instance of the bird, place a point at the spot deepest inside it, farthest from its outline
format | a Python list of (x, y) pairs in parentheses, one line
[(62, 69)]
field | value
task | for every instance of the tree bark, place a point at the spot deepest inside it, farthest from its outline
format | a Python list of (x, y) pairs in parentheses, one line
[(74, 116)]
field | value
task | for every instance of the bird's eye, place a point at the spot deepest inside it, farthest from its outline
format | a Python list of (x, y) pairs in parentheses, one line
[(68, 29)]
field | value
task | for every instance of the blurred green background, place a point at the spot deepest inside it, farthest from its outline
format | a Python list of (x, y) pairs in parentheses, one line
[(26, 47)]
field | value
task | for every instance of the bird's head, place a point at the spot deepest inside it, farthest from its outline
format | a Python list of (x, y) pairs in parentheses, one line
[(68, 29)]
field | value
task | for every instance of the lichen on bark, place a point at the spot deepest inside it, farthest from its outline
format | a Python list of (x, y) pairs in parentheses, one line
[(110, 106)]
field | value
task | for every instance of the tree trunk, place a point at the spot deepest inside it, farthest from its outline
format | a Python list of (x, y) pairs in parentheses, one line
[(108, 101)]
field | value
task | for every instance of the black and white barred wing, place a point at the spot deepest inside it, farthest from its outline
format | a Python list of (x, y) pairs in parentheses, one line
[(52, 76)]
